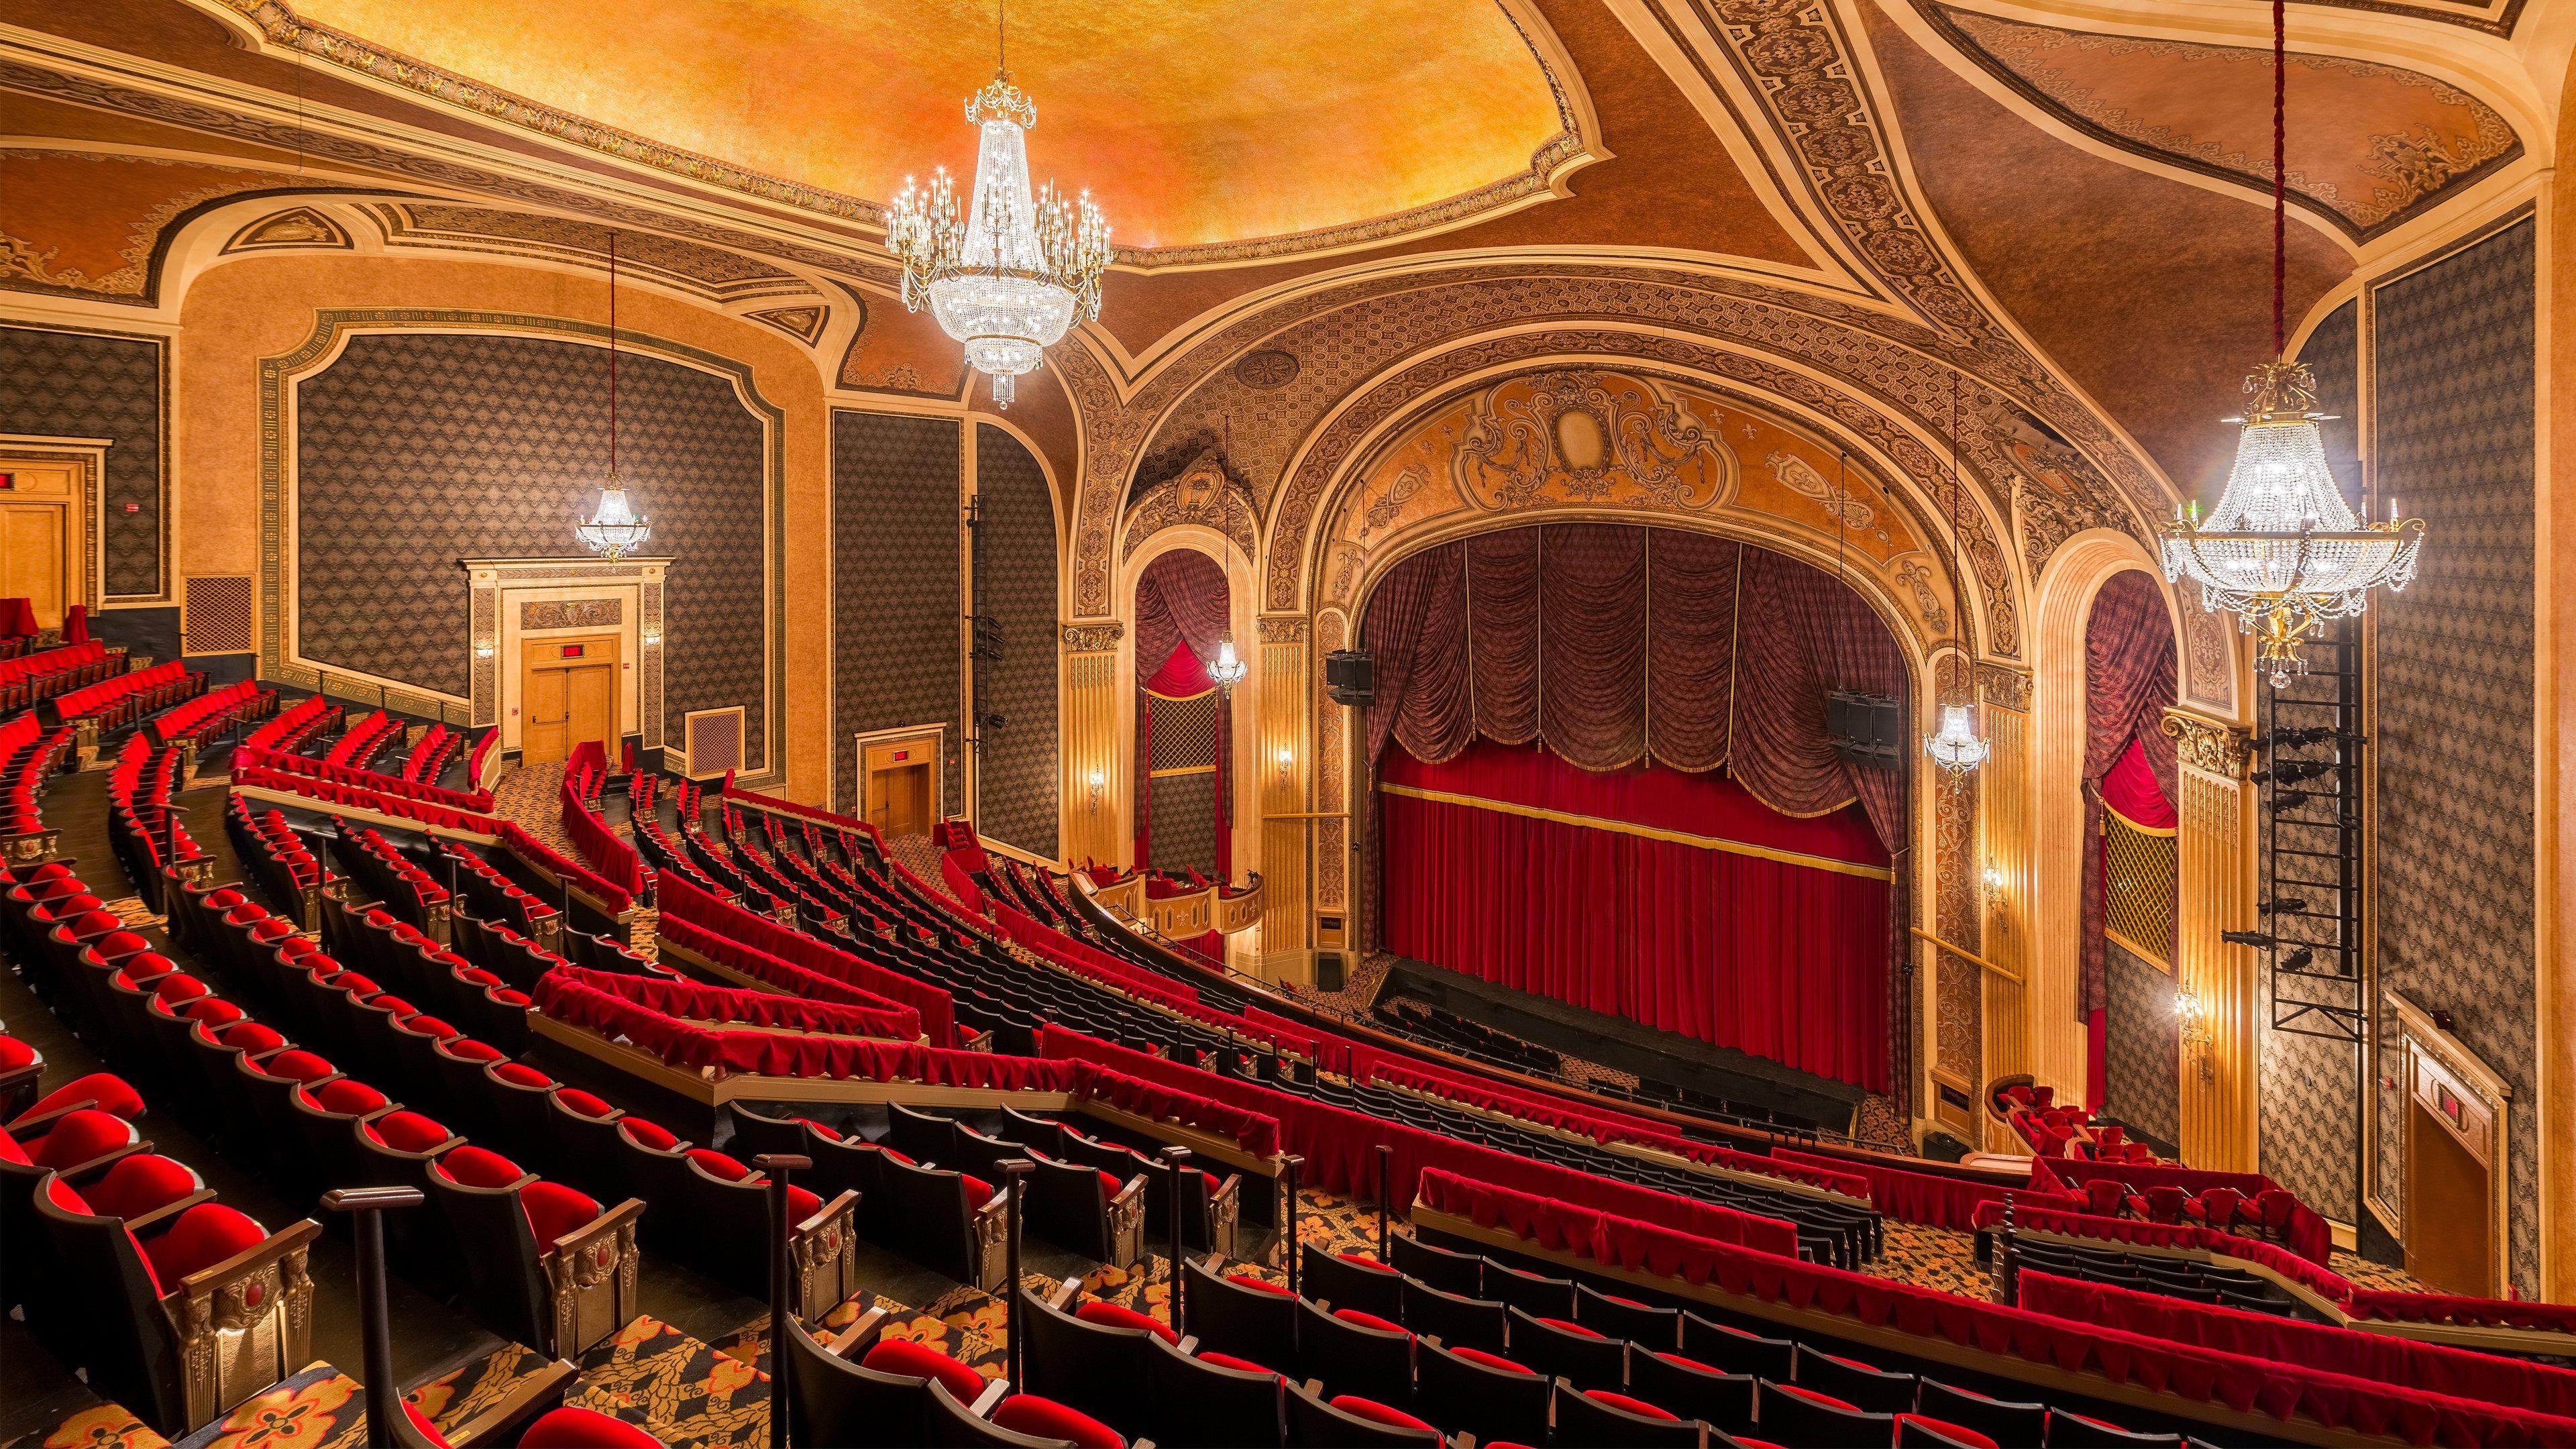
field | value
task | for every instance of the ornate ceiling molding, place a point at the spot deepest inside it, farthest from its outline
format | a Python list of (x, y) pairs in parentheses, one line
[(1550, 165), (2410, 170), (710, 273)]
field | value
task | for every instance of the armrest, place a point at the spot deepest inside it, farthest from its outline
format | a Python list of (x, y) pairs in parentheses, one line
[(1134, 1186), (501, 1422), (848, 1201), (294, 1238), (606, 1223), (991, 1399), (1065, 1292), (1232, 1187), (1189, 1345), (145, 1221), (45, 1122), (855, 1340)]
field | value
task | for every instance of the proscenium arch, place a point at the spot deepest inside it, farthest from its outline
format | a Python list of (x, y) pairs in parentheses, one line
[(2068, 588), (1924, 794), (1927, 515)]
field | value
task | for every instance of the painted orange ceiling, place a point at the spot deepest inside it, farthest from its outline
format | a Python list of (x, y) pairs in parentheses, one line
[(1189, 120)]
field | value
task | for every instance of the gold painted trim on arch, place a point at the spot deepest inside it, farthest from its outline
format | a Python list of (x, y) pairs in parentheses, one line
[(2128, 824), (1646, 832)]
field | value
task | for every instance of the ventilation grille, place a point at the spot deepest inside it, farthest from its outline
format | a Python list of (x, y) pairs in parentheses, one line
[(712, 739), (215, 614)]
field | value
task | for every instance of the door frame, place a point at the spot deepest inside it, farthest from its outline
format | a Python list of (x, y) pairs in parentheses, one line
[(89, 458), (617, 680), (936, 734)]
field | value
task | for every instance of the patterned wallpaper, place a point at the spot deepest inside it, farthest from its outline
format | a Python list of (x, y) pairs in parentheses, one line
[(2308, 1085), (1184, 824), (416, 449), (2453, 872), (1015, 585), (894, 584), (2145, 1046), (81, 385)]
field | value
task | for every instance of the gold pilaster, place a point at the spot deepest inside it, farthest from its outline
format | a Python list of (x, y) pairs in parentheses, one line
[(2004, 838), (1094, 786), (1286, 764), (2214, 894)]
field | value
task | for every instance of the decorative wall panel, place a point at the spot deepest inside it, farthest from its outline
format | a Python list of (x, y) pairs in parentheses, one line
[(1015, 587), (219, 617), (2452, 685), (415, 449), (2310, 1086), (1184, 834), (86, 385), (2144, 1046), (895, 604)]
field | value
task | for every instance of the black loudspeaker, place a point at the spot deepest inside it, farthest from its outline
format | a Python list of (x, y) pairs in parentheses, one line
[(1864, 728), (1329, 973), (1350, 676)]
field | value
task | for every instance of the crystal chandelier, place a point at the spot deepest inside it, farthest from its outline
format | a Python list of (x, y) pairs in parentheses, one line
[(1956, 748), (1021, 270), (614, 530), (2282, 550), (1229, 668)]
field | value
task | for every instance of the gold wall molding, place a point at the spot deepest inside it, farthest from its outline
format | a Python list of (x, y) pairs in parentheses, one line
[(1283, 630), (2214, 894), (2005, 844), (2004, 687), (1093, 638), (1093, 791), (2207, 745), (1284, 764)]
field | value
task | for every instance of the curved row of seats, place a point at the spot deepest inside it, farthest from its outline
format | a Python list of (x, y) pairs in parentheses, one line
[(26, 678), (29, 753)]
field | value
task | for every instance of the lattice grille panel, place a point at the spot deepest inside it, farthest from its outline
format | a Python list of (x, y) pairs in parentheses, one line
[(714, 741), (217, 610), (2138, 888), (1181, 734)]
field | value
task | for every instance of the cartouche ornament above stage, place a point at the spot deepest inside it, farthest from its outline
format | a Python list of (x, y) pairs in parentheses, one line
[(1021, 270)]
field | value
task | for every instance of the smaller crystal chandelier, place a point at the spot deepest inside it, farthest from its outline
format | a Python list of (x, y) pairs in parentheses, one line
[(1957, 749), (2282, 549), (1021, 270), (1229, 668), (615, 530)]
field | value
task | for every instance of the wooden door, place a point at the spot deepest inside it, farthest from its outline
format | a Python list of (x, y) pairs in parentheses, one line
[(2447, 1210), (569, 693), (902, 791), (40, 535)]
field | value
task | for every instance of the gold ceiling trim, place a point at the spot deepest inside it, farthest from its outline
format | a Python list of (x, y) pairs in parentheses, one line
[(277, 21)]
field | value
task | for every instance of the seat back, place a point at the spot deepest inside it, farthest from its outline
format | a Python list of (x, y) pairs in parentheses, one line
[(1563, 1351), (1352, 1359), (1873, 1389), (123, 1337), (1722, 1400), (1795, 1422), (505, 1285), (1535, 1294), (1195, 1402), (1736, 1351), (921, 1136), (927, 1219), (1345, 1284), (1316, 1424), (1037, 1133), (1450, 1272), (842, 1403), (1455, 1319), (1069, 1207), (1643, 1324), (2078, 1431), (1248, 1323), (952, 1425), (1092, 1367), (1464, 1396), (1584, 1422)]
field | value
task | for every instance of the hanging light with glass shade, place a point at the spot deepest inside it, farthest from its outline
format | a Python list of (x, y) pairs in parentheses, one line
[(1022, 269), (2282, 550), (1956, 748), (1229, 668), (614, 530)]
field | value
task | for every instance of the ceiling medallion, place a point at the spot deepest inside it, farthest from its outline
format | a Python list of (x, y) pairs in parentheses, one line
[(1267, 370), (2282, 549), (1020, 270)]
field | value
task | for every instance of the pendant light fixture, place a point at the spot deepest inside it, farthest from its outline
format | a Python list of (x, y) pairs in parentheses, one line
[(2282, 550), (615, 529), (1957, 749), (1022, 269)]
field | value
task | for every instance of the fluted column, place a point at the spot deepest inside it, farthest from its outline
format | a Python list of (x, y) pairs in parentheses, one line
[(2214, 894), (1286, 763), (2004, 831), (1094, 785)]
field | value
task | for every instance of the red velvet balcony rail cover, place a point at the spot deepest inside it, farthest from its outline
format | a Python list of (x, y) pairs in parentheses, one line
[(1340, 1148), (2324, 1282), (787, 976), (1923, 1197), (612, 897), (2238, 1381), (734, 1007), (683, 901), (614, 859), (2311, 1237)]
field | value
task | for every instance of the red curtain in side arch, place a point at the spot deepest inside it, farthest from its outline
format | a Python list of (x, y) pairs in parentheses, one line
[(1786, 961)]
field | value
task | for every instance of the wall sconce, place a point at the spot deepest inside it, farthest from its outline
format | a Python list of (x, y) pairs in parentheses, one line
[(1286, 760), (652, 638), (1098, 782), (2199, 1032), (483, 649)]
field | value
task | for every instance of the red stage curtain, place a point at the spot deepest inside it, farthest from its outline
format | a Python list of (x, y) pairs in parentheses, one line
[(1782, 960), (2128, 683)]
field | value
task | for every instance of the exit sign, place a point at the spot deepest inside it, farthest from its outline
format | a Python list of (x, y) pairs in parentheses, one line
[(574, 651), (8, 482)]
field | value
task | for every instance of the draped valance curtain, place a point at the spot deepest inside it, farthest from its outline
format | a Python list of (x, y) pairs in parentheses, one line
[(1614, 644), (1181, 615), (2129, 672)]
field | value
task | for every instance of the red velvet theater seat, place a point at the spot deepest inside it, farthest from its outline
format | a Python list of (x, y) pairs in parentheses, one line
[(1361, 1423), (1042, 1418), (1247, 1317), (945, 1221), (882, 1401), (573, 1427), (1608, 1419), (1360, 1354), (529, 1246), (1474, 1392)]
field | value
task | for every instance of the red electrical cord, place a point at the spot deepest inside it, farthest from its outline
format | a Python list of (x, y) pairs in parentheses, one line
[(612, 352)]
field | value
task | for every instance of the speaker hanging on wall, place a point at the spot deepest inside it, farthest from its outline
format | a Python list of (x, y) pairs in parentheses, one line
[(1350, 676)]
